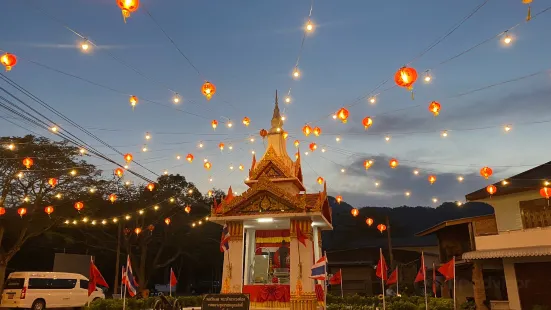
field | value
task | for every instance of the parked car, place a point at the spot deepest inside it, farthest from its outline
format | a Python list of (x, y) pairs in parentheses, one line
[(38, 290)]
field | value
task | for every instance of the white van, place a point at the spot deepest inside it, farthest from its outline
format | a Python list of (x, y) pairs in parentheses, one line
[(38, 290)]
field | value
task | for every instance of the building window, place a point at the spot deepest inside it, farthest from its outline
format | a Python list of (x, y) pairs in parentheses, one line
[(535, 213)]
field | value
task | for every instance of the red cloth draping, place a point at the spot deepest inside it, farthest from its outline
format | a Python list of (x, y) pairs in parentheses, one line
[(319, 292), (281, 293), (264, 293), (272, 233)]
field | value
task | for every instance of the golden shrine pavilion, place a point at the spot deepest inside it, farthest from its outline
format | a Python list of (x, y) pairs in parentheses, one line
[(265, 258)]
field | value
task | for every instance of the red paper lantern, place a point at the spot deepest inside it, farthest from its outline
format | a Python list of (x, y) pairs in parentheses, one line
[(128, 157), (214, 124), (28, 162), (119, 172), (151, 186), (221, 146), (367, 164), (381, 227), (187, 209), (369, 221), (486, 172), (2, 211), (405, 77), (207, 165), (151, 227), (189, 157), (320, 180), (342, 115), (167, 220), (49, 210), (313, 146), (296, 143), (263, 133), (138, 230), (127, 7), (8, 60), (434, 108), (545, 192), (246, 121), (317, 131), (367, 122), (432, 179), (79, 205), (307, 130), (491, 189), (133, 101), (355, 212), (338, 198), (208, 90), (393, 163), (22, 211), (52, 182), (112, 198)]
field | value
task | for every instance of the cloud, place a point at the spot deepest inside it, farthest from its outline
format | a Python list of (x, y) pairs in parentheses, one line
[(359, 188), (458, 115)]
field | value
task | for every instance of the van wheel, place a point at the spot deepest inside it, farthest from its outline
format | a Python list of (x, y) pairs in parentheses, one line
[(39, 304)]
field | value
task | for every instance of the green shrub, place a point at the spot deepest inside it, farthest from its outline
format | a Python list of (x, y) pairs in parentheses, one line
[(402, 305)]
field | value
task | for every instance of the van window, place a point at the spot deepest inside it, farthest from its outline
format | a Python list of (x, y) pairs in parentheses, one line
[(84, 284), (14, 283), (63, 283), (39, 283)]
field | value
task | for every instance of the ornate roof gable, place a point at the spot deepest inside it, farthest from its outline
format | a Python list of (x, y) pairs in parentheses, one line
[(272, 166), (263, 196)]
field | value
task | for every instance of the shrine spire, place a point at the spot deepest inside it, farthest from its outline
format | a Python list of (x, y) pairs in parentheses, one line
[(277, 123)]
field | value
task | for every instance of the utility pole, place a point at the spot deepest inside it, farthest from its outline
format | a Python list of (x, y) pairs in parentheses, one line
[(117, 263), (391, 256)]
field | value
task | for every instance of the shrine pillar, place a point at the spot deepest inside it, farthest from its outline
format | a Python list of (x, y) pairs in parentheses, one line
[(232, 275), (303, 291)]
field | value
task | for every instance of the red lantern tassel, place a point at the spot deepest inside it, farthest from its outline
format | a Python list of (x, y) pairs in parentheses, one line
[(529, 16)]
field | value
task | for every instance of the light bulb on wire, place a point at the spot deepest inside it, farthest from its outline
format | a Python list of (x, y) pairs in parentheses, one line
[(372, 100), (507, 128), (507, 38), (296, 73), (427, 77), (85, 46), (176, 98), (309, 27), (287, 99)]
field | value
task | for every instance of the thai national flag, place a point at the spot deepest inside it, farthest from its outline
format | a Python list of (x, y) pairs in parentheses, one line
[(131, 283), (225, 240), (319, 269)]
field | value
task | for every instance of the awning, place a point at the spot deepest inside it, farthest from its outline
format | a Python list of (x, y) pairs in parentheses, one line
[(508, 252)]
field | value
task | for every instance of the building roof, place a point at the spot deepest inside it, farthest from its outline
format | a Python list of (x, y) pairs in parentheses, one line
[(528, 180), (444, 224), (508, 252)]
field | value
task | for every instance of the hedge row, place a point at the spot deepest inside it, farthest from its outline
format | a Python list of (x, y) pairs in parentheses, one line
[(353, 302)]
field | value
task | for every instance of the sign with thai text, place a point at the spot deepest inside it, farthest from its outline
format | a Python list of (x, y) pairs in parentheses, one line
[(226, 302)]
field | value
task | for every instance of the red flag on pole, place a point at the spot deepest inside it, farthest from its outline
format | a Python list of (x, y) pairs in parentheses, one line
[(301, 237), (95, 278), (447, 270), (421, 274), (173, 280), (382, 269), (434, 280), (393, 279), (336, 278)]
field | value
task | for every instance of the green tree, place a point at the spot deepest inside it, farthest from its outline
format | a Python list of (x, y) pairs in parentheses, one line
[(30, 189)]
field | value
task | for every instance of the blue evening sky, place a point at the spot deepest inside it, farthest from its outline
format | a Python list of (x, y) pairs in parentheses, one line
[(248, 50)]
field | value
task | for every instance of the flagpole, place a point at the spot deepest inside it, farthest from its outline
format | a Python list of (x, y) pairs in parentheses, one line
[(342, 292), (397, 281), (382, 277), (434, 278), (454, 300), (170, 283), (325, 281), (424, 280)]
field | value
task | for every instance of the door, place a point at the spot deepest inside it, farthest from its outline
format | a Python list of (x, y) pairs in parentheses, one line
[(533, 284), (62, 290)]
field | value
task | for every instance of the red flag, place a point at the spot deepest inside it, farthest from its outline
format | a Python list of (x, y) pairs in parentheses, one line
[(173, 280), (336, 278), (95, 278), (447, 270), (393, 279), (300, 235), (434, 280), (382, 269), (421, 274)]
